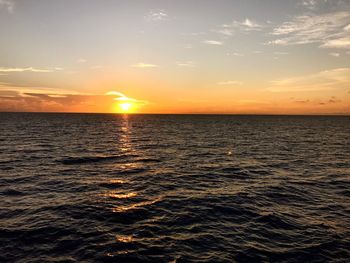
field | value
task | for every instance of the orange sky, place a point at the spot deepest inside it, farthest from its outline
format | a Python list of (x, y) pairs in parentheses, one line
[(239, 57)]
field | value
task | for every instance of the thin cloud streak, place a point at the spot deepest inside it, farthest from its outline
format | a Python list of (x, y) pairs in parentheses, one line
[(156, 15), (230, 82), (213, 42), (144, 65), (188, 64), (247, 25), (31, 69)]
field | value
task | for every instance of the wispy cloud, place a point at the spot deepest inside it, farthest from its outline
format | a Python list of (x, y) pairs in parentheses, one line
[(334, 54), (343, 42), (246, 25), (213, 42), (331, 100), (118, 96), (31, 69), (327, 30), (156, 15), (324, 80), (225, 31), (230, 83), (319, 5), (8, 4), (235, 54), (144, 65), (81, 60), (311, 4), (189, 64), (23, 88)]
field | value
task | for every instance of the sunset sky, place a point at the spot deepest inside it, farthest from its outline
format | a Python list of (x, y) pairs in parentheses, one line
[(175, 56)]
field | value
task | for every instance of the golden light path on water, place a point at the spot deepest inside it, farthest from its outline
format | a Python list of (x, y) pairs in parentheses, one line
[(125, 147)]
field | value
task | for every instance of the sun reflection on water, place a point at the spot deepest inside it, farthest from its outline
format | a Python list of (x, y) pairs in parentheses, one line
[(121, 195), (126, 208), (124, 239), (117, 181), (125, 132)]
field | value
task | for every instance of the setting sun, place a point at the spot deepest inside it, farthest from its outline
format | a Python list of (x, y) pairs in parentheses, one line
[(126, 107)]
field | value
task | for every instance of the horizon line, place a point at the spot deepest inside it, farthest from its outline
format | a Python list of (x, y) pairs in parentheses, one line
[(148, 113)]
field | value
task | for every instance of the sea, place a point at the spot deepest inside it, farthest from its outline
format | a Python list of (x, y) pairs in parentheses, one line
[(174, 188)]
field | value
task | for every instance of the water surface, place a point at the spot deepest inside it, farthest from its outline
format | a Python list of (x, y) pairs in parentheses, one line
[(174, 188)]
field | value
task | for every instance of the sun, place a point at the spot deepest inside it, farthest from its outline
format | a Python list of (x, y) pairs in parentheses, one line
[(126, 107)]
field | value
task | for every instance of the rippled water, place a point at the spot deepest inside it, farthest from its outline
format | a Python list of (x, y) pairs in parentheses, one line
[(172, 188)]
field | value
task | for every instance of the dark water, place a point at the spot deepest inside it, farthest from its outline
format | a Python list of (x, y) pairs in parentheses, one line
[(148, 188)]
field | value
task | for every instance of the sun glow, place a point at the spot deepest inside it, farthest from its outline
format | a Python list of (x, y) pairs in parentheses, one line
[(126, 107)]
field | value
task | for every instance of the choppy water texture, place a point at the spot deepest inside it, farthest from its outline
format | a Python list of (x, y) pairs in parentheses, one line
[(171, 188)]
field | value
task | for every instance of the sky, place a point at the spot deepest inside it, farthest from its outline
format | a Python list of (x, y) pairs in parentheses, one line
[(175, 56)]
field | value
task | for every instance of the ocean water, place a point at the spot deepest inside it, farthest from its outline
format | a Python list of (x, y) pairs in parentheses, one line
[(174, 188)]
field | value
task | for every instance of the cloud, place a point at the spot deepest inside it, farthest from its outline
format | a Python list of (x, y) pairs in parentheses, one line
[(236, 54), (213, 42), (322, 4), (327, 30), (156, 15), (343, 42), (310, 4), (115, 93), (118, 96), (225, 31), (32, 100), (11, 100), (8, 4), (230, 82), (334, 100), (31, 69), (325, 80), (302, 101), (334, 54), (144, 65), (189, 64), (246, 25), (81, 60), (22, 88), (8, 93)]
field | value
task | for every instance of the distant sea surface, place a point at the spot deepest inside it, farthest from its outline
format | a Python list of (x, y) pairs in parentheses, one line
[(174, 188)]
